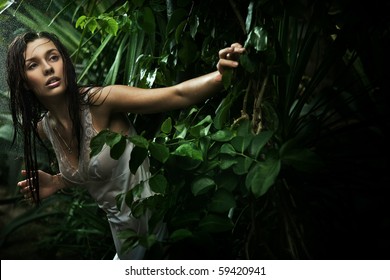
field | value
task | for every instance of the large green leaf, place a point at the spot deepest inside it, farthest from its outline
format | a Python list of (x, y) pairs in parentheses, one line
[(202, 185), (158, 183), (159, 151), (118, 148), (188, 150), (98, 142), (258, 142), (223, 135), (241, 143), (180, 234), (4, 4), (214, 223), (243, 165), (147, 20), (222, 201), (138, 155), (262, 176)]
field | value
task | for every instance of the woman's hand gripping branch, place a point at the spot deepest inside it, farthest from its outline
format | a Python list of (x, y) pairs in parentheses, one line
[(228, 58), (48, 185)]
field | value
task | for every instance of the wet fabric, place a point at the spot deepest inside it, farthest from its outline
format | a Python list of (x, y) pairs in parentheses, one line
[(105, 178)]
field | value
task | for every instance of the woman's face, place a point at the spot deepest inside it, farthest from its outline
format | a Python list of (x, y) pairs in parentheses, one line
[(44, 68)]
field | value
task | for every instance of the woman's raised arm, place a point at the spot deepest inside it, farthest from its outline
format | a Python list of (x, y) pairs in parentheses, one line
[(120, 98)]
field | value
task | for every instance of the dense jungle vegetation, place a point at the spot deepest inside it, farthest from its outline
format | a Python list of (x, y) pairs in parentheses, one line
[(289, 161)]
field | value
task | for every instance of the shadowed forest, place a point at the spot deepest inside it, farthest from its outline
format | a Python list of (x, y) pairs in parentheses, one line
[(290, 161)]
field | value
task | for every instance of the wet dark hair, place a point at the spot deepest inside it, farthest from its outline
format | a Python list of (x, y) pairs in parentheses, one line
[(25, 108)]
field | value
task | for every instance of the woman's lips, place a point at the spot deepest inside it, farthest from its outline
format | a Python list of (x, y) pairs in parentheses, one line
[(53, 83)]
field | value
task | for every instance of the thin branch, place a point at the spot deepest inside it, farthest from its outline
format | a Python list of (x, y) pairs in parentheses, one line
[(244, 114), (238, 15), (257, 121)]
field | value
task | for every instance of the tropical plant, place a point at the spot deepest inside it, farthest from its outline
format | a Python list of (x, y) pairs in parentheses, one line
[(274, 167)]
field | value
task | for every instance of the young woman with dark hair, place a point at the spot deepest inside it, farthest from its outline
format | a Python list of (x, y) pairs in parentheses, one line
[(47, 104)]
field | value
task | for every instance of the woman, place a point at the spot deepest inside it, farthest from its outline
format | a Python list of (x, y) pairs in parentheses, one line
[(47, 103)]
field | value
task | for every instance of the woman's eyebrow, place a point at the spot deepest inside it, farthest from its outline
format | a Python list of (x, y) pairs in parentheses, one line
[(47, 52)]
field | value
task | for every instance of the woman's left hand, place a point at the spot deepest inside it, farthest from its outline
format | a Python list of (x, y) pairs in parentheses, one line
[(228, 57)]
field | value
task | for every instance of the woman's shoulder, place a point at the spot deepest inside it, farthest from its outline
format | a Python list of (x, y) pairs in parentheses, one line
[(93, 95), (40, 130)]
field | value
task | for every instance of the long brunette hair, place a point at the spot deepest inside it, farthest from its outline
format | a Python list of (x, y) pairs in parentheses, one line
[(27, 111)]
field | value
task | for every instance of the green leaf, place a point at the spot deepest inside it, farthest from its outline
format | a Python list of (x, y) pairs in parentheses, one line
[(188, 53), (158, 184), (138, 156), (138, 208), (136, 191), (202, 185), (227, 180), (243, 165), (180, 234), (111, 26), (119, 200), (147, 20), (159, 151), (228, 148), (112, 138), (222, 113), (188, 150), (177, 16), (148, 241), (222, 201), (258, 142), (247, 63), (4, 4), (194, 26), (224, 135), (262, 176), (94, 58), (186, 163), (258, 39), (118, 149), (81, 22), (122, 9), (127, 234), (244, 128), (227, 161), (98, 142), (166, 126), (139, 141), (241, 143), (179, 31), (92, 25), (227, 78), (213, 223), (185, 218), (129, 198)]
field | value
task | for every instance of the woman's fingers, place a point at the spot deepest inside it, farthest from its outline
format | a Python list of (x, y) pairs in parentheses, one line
[(229, 56), (233, 52), (25, 187)]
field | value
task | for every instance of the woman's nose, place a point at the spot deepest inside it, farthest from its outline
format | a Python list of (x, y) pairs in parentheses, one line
[(48, 69)]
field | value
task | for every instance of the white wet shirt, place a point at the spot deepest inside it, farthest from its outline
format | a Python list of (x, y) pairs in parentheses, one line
[(105, 178)]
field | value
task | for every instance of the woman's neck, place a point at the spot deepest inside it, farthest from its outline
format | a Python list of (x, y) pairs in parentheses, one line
[(59, 113)]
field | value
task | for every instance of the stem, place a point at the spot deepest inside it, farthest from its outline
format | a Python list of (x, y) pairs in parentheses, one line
[(257, 123), (244, 114), (238, 15)]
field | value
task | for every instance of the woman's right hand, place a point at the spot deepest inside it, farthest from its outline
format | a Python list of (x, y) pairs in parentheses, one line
[(48, 185)]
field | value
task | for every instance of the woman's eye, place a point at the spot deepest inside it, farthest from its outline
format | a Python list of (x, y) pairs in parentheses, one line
[(31, 66), (54, 57)]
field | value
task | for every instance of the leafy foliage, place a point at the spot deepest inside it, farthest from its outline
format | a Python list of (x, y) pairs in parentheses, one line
[(289, 154)]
